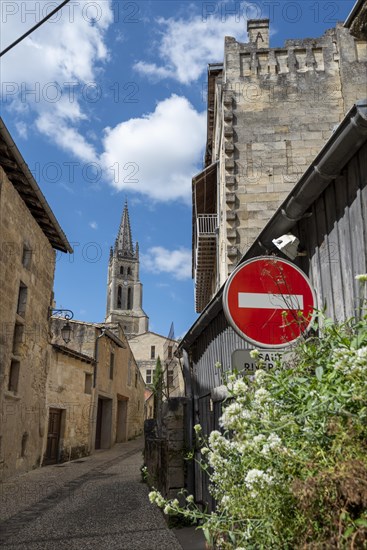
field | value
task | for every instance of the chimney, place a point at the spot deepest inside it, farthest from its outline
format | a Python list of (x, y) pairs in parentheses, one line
[(258, 32)]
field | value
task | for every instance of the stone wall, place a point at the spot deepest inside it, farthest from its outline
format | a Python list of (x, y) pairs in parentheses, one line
[(27, 260), (67, 390), (275, 110), (120, 386), (165, 449)]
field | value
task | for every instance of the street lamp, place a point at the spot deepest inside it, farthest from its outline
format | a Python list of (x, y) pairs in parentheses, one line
[(66, 329)]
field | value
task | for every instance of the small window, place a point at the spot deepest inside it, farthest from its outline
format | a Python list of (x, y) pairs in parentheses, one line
[(136, 379), (88, 383), (122, 270), (129, 271), (24, 444), (27, 256), (149, 376), (14, 376), (170, 378), (18, 338), (112, 365), (22, 300), (152, 352), (169, 352)]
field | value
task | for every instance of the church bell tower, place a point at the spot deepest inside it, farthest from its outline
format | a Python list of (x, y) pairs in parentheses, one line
[(124, 289)]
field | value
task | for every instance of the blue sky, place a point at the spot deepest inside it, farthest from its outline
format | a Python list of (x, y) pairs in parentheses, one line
[(107, 102)]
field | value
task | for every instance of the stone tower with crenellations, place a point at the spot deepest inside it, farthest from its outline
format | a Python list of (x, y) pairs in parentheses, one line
[(124, 289)]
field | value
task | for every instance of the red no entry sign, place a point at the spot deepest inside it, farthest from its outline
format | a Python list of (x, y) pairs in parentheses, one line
[(269, 302)]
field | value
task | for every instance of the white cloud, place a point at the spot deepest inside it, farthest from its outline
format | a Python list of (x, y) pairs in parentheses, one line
[(187, 45), (22, 129), (174, 262), (52, 74), (157, 154), (93, 225)]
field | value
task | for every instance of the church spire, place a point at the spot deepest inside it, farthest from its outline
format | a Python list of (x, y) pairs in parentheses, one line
[(124, 289), (124, 241)]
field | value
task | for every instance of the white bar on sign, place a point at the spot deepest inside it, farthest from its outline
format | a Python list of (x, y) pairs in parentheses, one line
[(270, 301)]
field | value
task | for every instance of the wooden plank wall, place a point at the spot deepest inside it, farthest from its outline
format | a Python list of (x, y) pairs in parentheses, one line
[(335, 238), (215, 344)]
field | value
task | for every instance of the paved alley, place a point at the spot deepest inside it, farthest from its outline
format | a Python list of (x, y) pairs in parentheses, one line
[(95, 502)]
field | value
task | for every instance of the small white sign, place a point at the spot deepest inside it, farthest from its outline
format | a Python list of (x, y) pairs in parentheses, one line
[(244, 363)]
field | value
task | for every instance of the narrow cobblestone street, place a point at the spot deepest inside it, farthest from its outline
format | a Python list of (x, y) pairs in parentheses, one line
[(94, 502)]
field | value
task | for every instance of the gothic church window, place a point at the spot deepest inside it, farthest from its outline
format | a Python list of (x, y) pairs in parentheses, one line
[(129, 299), (119, 298), (122, 270), (129, 271)]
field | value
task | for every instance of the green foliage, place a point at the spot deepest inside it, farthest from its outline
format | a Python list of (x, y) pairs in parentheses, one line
[(289, 469), (158, 377), (158, 387)]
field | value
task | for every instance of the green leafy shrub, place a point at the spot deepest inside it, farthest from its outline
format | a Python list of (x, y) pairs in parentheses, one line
[(289, 469)]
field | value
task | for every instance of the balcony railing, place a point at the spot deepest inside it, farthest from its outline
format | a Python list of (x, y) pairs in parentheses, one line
[(206, 251), (206, 224)]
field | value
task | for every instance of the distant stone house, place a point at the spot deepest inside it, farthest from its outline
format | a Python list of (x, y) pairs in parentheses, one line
[(102, 388), (147, 347), (29, 236)]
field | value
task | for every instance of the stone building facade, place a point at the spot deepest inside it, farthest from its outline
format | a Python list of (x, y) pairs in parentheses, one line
[(69, 405), (124, 289), (111, 388), (270, 110), (147, 348), (29, 234)]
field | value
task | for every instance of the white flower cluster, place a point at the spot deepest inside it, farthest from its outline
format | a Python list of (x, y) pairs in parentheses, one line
[(234, 416), (262, 397), (156, 498), (273, 443), (257, 479), (350, 361)]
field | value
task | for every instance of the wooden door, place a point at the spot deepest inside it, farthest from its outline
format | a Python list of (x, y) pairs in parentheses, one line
[(53, 436)]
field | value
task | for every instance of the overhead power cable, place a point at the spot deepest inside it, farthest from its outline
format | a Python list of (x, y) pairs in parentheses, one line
[(34, 27)]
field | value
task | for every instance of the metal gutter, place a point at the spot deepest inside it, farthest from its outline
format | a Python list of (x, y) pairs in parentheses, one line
[(65, 245), (336, 153), (356, 8)]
